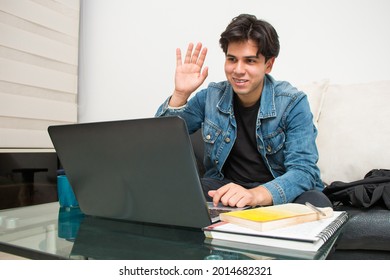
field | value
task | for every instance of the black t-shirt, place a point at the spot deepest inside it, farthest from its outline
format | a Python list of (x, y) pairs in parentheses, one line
[(244, 163)]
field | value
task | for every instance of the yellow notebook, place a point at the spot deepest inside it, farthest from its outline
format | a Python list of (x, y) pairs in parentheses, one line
[(276, 216)]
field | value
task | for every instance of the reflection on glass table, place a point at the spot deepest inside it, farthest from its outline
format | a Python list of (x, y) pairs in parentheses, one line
[(48, 231), (32, 232), (109, 239)]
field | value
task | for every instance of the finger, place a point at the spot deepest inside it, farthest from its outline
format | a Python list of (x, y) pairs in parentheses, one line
[(211, 193), (202, 57), (189, 53), (229, 198), (178, 57), (242, 202), (234, 199), (205, 73), (218, 194), (234, 195), (225, 193), (194, 58)]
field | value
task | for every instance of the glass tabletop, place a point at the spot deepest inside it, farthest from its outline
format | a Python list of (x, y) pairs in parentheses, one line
[(48, 231)]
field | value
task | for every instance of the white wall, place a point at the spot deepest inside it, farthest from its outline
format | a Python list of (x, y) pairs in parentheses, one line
[(127, 48)]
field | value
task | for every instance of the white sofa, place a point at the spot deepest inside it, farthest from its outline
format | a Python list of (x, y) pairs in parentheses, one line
[(353, 124)]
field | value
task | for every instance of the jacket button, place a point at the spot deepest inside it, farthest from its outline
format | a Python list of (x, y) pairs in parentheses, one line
[(269, 149), (227, 139), (208, 137)]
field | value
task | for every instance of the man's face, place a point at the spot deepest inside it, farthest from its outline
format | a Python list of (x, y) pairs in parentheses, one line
[(245, 70)]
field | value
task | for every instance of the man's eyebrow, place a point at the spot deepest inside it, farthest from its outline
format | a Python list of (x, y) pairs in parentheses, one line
[(247, 57)]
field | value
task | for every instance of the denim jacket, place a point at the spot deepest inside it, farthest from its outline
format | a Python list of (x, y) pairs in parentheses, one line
[(285, 134)]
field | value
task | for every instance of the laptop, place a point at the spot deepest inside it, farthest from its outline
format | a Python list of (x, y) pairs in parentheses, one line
[(141, 170)]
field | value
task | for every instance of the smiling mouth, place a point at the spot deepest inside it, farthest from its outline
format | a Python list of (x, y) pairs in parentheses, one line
[(239, 81)]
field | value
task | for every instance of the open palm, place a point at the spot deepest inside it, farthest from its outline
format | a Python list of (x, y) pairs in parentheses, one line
[(189, 75)]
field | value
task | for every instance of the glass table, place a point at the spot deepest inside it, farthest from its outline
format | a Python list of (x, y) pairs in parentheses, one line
[(47, 231)]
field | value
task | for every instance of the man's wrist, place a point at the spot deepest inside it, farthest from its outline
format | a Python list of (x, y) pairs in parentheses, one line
[(263, 196), (176, 102), (177, 107)]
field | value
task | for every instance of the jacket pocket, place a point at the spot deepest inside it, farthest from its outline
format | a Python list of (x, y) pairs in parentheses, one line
[(274, 142), (210, 133)]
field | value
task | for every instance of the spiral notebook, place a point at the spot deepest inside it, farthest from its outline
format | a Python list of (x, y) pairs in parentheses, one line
[(309, 236)]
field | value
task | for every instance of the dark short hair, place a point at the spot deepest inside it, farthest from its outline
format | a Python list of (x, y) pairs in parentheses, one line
[(247, 27)]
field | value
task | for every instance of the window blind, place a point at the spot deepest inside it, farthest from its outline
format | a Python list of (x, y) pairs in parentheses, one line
[(38, 69)]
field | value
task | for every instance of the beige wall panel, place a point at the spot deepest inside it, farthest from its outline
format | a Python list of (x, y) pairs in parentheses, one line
[(28, 124), (15, 138), (34, 44), (39, 30), (23, 90), (42, 15), (12, 54), (21, 73), (38, 70), (73, 4), (35, 108)]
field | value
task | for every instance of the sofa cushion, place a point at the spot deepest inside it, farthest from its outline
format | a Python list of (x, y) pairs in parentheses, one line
[(353, 131), (315, 93)]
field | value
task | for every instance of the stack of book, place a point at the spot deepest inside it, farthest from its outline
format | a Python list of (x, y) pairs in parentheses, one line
[(293, 230)]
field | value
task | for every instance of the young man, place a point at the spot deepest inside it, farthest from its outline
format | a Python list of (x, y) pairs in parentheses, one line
[(258, 132)]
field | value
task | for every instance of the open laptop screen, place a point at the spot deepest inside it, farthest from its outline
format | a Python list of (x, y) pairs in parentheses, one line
[(138, 170)]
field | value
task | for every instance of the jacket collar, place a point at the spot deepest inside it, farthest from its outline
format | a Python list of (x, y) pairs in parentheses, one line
[(267, 102)]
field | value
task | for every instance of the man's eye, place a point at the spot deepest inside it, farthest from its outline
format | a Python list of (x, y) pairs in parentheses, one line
[(232, 59)]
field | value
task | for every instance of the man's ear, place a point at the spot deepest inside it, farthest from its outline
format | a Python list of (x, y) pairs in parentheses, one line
[(269, 64)]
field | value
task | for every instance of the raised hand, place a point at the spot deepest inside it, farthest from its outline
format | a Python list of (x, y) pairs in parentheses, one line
[(189, 74)]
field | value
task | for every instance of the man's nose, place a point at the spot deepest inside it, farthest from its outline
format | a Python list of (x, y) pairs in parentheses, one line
[(240, 68)]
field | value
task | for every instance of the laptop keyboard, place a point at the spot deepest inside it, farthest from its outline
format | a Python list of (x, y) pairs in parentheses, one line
[(214, 213)]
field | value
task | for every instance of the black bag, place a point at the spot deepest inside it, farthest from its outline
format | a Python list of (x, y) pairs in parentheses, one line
[(374, 189)]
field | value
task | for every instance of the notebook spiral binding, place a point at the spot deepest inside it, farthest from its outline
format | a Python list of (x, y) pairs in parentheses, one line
[(328, 232)]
